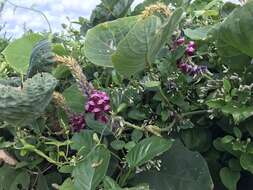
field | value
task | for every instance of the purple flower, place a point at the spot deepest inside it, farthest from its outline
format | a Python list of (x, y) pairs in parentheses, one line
[(191, 48), (192, 44), (99, 104), (77, 122), (180, 41)]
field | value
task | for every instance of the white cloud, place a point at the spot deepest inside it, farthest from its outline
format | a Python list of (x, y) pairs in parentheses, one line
[(55, 10)]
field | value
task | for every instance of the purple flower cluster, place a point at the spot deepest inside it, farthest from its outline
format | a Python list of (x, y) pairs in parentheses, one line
[(192, 70), (99, 104), (180, 41), (184, 66), (191, 48), (77, 122)]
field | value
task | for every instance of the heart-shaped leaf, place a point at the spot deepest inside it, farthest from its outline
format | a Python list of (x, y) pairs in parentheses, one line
[(102, 41), (229, 178), (143, 42)]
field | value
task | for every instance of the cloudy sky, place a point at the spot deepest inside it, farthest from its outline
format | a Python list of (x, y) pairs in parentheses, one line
[(55, 10)]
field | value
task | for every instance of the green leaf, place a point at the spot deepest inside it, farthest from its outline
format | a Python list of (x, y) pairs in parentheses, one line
[(18, 52), (136, 115), (136, 135), (12, 179), (147, 149), (74, 99), (238, 111), (131, 55), (102, 41), (117, 144), (42, 183), (59, 49), (97, 126), (83, 141), (181, 169), (234, 164), (41, 59), (143, 42), (227, 86), (227, 8), (198, 33), (229, 178), (152, 84), (199, 139), (246, 161), (21, 107), (235, 33), (68, 185), (110, 184), (90, 172), (121, 8)]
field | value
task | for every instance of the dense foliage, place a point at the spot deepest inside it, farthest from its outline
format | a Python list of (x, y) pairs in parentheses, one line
[(159, 97)]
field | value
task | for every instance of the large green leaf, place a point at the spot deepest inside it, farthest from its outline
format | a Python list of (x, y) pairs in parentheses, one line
[(235, 33), (83, 141), (22, 106), (102, 41), (143, 42), (181, 169), (18, 52), (147, 149), (90, 172), (12, 179), (229, 178), (74, 99)]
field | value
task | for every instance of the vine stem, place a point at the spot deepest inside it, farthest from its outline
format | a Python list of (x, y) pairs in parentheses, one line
[(195, 112), (34, 10), (166, 129), (165, 97)]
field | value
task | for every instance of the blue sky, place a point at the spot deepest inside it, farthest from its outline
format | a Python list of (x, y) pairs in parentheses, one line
[(55, 10)]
